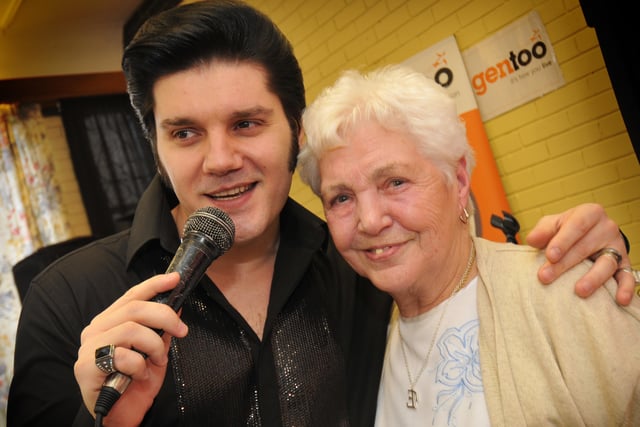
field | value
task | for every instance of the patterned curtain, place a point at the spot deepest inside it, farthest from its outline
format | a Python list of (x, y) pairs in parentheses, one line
[(30, 211)]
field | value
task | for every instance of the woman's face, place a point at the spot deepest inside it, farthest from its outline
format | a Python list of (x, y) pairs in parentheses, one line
[(390, 210)]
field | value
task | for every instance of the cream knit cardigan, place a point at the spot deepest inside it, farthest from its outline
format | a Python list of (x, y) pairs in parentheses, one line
[(549, 357)]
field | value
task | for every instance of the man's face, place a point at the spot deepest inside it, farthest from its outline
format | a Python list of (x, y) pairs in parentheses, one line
[(224, 141), (390, 210)]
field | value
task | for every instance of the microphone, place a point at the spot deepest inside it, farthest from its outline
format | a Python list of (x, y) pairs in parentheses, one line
[(208, 233)]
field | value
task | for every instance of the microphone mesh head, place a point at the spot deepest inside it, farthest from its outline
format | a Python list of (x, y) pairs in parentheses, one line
[(215, 224)]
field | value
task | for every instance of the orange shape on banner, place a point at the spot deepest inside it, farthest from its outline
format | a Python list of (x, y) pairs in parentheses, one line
[(486, 186)]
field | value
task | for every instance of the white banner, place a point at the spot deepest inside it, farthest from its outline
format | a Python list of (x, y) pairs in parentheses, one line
[(443, 63), (513, 66)]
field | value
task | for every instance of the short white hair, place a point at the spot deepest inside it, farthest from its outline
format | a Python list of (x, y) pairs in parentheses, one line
[(397, 98)]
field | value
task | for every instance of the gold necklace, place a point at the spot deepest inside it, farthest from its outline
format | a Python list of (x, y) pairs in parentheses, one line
[(412, 398)]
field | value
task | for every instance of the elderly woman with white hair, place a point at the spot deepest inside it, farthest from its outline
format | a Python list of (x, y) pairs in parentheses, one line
[(474, 339)]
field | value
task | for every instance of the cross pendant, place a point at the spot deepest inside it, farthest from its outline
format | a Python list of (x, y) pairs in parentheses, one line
[(412, 399)]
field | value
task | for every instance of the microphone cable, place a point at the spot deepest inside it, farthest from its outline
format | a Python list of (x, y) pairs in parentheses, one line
[(99, 416)]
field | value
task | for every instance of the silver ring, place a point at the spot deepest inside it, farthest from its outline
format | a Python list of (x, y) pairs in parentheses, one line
[(610, 252), (104, 358), (634, 273)]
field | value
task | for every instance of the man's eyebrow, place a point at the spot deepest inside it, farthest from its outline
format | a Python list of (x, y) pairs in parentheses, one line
[(176, 121), (251, 112)]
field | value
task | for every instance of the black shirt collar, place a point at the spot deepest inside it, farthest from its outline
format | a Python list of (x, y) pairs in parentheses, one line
[(153, 220)]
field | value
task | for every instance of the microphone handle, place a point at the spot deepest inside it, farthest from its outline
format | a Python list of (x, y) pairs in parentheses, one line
[(194, 255)]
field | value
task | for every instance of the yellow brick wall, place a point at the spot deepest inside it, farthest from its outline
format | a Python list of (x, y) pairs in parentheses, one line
[(567, 147)]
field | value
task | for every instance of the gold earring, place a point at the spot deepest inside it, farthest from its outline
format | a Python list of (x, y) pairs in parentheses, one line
[(464, 216)]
